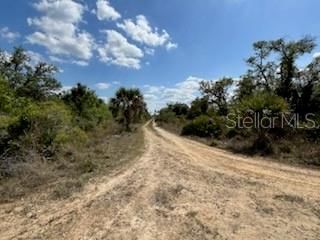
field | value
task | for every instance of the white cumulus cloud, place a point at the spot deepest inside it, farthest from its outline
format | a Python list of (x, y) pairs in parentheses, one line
[(184, 92), (118, 51), (105, 11), (58, 29), (141, 31)]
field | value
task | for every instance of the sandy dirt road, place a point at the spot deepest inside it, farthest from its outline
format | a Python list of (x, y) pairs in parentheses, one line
[(179, 189)]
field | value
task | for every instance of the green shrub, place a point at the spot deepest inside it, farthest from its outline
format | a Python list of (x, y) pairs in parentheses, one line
[(262, 145), (263, 103), (262, 109), (203, 126), (231, 133), (88, 109), (314, 133), (198, 107), (71, 135), (38, 124), (167, 116), (6, 97)]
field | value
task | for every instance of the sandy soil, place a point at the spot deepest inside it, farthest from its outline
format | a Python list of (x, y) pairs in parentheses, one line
[(178, 189)]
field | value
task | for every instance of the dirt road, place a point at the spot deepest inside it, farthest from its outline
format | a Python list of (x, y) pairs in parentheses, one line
[(179, 189)]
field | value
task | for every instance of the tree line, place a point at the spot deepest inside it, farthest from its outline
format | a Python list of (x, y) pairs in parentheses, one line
[(273, 86), (38, 118)]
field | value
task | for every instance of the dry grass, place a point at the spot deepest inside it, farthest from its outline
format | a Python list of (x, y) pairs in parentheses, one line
[(294, 151), (107, 149)]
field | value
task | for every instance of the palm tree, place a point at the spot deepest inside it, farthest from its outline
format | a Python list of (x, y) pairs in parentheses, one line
[(129, 105)]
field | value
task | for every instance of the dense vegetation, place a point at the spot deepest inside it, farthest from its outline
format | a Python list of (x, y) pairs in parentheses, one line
[(128, 106), (284, 98), (39, 123)]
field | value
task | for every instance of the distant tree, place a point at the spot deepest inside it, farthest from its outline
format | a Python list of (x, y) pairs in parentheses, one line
[(262, 70), (166, 115), (245, 87), (37, 82), (179, 108), (88, 108), (128, 105), (289, 52), (306, 98), (199, 106), (217, 93)]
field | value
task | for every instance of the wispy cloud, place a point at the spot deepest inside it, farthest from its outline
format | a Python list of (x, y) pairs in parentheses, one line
[(102, 85), (10, 36), (69, 61)]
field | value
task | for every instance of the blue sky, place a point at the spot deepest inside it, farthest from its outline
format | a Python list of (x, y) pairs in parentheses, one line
[(163, 47)]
